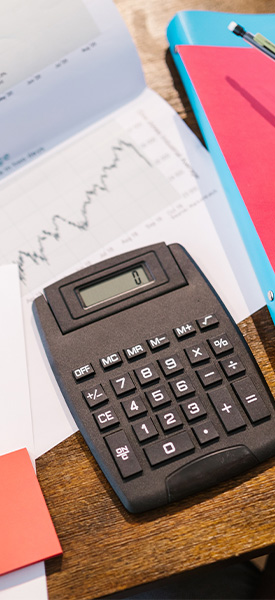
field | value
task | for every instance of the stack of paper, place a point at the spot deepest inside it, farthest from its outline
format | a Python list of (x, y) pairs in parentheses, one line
[(27, 532)]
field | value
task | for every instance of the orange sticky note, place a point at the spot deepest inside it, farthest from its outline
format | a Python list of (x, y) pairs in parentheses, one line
[(27, 534)]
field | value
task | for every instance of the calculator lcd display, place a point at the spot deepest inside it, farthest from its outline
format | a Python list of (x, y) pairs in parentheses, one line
[(107, 289)]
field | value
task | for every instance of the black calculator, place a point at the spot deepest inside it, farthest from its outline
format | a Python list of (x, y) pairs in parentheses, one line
[(157, 375)]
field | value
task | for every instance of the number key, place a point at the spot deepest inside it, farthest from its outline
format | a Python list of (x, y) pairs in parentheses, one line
[(193, 409), (134, 407), (169, 419), (145, 430), (162, 451), (123, 384), (171, 365), (147, 374), (158, 397), (182, 387)]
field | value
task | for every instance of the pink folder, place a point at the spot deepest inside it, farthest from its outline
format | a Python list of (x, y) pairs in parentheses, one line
[(237, 92)]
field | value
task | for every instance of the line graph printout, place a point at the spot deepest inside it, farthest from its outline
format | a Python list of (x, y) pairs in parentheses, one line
[(56, 213)]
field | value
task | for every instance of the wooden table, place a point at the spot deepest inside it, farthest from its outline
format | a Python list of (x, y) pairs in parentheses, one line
[(105, 548)]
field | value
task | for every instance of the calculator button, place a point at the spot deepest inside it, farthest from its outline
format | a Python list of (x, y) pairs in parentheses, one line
[(227, 409), (182, 387), (169, 419), (147, 374), (197, 354), (145, 430), (135, 352), (123, 454), (232, 366), (106, 418), (83, 372), (134, 407), (251, 400), (112, 360), (123, 384), (207, 322), (158, 342), (220, 344), (160, 452), (171, 365), (193, 409), (158, 397), (183, 331), (94, 396), (209, 376), (205, 432)]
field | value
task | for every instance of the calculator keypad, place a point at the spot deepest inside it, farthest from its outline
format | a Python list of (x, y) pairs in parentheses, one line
[(159, 381), (162, 399)]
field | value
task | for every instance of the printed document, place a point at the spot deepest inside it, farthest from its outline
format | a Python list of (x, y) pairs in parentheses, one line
[(93, 163)]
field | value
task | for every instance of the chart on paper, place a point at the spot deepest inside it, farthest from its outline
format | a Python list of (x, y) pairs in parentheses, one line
[(62, 209)]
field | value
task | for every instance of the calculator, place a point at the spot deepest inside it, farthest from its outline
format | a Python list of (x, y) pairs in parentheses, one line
[(156, 374)]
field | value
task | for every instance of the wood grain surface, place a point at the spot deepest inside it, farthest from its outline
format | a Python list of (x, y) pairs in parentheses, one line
[(105, 549)]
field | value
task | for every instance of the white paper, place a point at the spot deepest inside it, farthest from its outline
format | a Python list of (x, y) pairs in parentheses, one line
[(15, 408), (138, 175), (164, 188), (25, 584), (15, 417)]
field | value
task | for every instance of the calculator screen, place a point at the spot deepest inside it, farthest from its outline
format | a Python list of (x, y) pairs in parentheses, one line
[(114, 286)]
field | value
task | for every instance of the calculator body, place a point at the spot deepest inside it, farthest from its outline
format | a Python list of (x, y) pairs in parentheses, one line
[(157, 375)]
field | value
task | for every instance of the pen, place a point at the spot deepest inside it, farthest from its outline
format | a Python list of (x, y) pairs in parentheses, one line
[(257, 40)]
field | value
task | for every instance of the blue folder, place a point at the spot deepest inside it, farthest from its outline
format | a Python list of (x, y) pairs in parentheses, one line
[(208, 28)]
